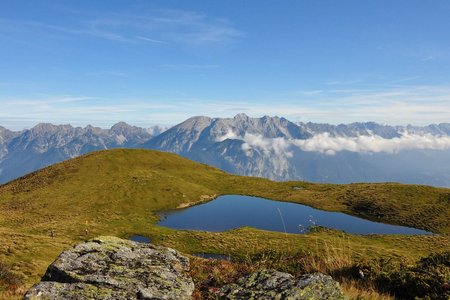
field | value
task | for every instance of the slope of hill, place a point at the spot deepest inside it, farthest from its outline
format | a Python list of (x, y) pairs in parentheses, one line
[(118, 192)]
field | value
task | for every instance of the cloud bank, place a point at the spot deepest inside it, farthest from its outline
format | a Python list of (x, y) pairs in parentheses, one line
[(326, 144)]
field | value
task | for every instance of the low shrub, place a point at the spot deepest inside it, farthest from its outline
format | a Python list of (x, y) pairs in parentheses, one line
[(428, 278), (9, 281)]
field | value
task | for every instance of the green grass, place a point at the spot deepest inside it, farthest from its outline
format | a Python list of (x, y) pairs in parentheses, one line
[(118, 192)]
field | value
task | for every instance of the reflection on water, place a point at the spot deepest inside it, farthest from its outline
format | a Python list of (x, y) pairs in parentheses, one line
[(234, 211)]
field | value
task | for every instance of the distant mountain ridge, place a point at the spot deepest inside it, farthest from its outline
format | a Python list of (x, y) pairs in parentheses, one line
[(372, 128), (270, 147), (213, 141), (266, 147), (25, 151)]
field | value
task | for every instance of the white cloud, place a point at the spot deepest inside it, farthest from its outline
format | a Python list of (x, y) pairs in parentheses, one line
[(229, 135), (188, 66), (277, 146), (150, 40), (324, 143), (157, 27), (401, 106)]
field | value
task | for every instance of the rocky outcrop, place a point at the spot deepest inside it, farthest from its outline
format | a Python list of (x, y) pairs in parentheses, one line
[(270, 284), (112, 268)]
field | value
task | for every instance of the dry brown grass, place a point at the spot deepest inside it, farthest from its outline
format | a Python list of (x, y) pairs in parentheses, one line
[(11, 285), (338, 262), (335, 256), (357, 290), (13, 294), (210, 275)]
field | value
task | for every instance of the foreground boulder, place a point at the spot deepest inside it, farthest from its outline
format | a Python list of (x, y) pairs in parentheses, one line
[(270, 284), (112, 268)]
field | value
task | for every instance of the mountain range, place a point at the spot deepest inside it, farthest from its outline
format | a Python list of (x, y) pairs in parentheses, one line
[(270, 147), (25, 151)]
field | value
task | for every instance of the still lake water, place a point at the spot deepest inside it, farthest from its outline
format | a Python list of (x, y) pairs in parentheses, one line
[(234, 211), (140, 239)]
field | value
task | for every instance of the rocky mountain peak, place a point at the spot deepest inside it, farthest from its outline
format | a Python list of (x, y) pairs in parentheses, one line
[(127, 129), (6, 133), (94, 130), (267, 118), (121, 125), (241, 117), (197, 123), (43, 128)]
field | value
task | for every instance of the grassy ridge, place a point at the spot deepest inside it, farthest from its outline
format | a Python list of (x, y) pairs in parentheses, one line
[(117, 192)]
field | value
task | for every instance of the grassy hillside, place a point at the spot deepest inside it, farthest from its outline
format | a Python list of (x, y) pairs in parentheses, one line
[(117, 192)]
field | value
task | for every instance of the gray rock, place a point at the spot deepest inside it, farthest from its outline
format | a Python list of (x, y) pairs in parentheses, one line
[(112, 268), (270, 284)]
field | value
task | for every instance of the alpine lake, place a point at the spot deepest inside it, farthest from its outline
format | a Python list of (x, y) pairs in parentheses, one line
[(233, 211)]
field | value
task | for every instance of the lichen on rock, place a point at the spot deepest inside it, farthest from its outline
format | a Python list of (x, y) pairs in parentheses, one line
[(113, 268), (271, 284)]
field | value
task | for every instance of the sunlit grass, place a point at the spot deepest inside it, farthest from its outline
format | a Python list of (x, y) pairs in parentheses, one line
[(118, 192)]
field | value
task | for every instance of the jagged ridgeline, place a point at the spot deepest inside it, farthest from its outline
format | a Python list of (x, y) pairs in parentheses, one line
[(22, 152), (118, 192), (269, 147)]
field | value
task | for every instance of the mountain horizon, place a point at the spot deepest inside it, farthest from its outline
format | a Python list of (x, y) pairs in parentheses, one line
[(271, 147), (120, 123)]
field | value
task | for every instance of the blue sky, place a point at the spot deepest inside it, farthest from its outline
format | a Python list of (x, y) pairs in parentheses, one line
[(160, 62)]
